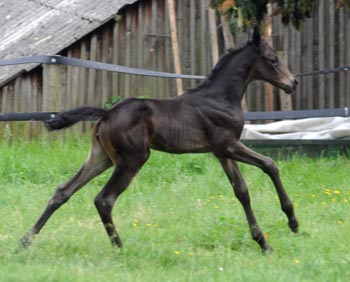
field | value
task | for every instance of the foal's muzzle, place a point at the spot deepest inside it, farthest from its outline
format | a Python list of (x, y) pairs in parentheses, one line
[(290, 87)]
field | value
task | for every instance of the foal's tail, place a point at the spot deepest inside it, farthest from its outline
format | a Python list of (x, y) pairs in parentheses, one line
[(68, 118)]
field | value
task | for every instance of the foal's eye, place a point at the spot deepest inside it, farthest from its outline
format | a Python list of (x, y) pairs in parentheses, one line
[(274, 61)]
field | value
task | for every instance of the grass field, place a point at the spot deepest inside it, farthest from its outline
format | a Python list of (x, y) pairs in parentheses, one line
[(178, 220)]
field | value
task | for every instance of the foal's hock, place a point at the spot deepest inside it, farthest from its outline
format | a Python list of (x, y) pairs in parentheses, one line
[(207, 118)]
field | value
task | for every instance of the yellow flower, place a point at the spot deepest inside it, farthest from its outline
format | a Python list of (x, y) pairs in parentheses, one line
[(336, 192), (177, 253), (327, 192), (297, 261)]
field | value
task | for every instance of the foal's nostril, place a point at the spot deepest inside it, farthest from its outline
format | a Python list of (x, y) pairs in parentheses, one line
[(296, 81)]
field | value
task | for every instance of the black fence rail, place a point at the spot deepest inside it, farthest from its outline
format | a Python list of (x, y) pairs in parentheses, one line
[(73, 62)]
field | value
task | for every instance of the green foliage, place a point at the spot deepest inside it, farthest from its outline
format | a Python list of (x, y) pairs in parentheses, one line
[(179, 220), (114, 100), (247, 12)]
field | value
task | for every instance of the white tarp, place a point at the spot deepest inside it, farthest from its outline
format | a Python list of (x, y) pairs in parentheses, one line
[(311, 128)]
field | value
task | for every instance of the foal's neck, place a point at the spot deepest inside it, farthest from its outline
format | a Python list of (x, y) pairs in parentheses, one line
[(235, 75)]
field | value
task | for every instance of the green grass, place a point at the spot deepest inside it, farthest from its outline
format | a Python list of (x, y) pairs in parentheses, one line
[(178, 220)]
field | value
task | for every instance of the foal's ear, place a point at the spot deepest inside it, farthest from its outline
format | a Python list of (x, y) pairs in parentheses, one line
[(254, 35)]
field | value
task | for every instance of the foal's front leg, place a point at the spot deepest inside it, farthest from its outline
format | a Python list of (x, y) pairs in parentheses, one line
[(240, 189), (244, 154)]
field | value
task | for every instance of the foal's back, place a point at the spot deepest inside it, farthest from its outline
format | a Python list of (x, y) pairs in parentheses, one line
[(189, 123)]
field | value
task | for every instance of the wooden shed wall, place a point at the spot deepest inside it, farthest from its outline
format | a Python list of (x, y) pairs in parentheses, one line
[(139, 36)]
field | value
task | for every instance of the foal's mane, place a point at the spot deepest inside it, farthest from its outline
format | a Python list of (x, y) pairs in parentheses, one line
[(223, 60)]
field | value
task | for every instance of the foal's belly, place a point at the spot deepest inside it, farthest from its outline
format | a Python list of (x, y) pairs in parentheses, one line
[(180, 141)]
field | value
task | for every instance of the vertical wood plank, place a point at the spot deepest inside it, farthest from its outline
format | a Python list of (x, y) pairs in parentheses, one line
[(321, 55), (52, 91), (330, 55), (52, 87), (128, 44), (146, 84), (193, 40), (341, 101), (309, 89), (91, 100), (267, 33), (69, 97), (213, 35), (175, 44), (347, 74), (35, 107), (203, 38), (104, 74), (170, 90), (297, 66), (115, 56), (26, 105), (285, 99), (83, 79)]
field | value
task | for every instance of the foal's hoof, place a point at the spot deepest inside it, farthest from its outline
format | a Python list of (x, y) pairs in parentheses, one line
[(293, 226), (267, 249), (25, 241)]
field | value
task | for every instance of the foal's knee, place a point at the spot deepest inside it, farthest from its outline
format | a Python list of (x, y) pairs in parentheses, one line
[(101, 204), (270, 167), (60, 197)]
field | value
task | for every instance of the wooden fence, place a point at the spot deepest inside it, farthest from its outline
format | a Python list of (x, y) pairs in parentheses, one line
[(139, 36)]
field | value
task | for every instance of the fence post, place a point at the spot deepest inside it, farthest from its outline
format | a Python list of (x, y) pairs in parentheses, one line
[(285, 99), (52, 89), (267, 86), (213, 35), (175, 44)]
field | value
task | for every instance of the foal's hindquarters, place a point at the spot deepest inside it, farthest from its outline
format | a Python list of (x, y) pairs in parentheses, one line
[(104, 153)]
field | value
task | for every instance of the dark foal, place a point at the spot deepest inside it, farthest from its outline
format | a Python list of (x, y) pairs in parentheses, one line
[(207, 118)]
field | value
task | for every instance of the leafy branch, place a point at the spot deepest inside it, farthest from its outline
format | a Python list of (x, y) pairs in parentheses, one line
[(243, 13)]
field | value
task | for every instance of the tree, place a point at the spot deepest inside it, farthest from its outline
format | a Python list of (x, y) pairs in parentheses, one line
[(242, 13)]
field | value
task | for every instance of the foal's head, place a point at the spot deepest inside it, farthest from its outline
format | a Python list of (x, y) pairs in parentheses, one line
[(269, 67)]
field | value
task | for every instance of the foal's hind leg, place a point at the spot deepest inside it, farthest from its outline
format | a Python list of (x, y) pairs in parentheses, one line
[(240, 189), (126, 168), (244, 154), (96, 163)]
